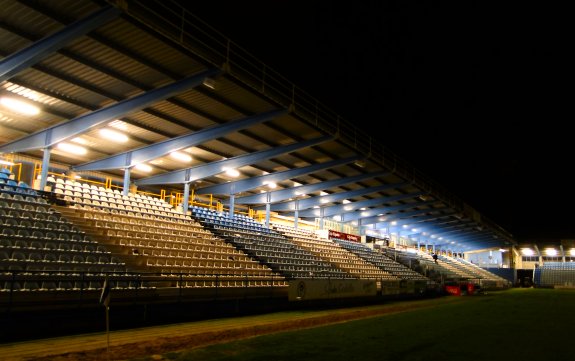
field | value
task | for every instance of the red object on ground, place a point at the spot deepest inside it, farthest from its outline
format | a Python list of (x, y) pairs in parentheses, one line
[(453, 290)]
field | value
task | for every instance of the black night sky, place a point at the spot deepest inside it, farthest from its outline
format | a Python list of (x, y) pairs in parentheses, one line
[(474, 94)]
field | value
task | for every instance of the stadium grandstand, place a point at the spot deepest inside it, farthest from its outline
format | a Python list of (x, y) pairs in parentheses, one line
[(143, 151)]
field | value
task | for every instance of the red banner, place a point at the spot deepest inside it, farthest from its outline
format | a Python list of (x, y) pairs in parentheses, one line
[(344, 236)]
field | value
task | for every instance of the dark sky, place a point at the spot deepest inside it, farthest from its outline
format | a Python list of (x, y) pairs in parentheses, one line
[(473, 94)]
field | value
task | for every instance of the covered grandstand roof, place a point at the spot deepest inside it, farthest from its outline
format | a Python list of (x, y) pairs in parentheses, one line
[(154, 73)]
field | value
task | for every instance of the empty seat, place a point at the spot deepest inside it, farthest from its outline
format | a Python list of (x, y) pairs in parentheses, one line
[(30, 286), (20, 243), (65, 285), (48, 286), (50, 257), (8, 233), (50, 246), (35, 257), (5, 242), (64, 258), (94, 285), (18, 256)]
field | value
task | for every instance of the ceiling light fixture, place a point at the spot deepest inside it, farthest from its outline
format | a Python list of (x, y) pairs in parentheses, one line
[(72, 148), (209, 83), (143, 167), (181, 156), (232, 172), (19, 106), (113, 135)]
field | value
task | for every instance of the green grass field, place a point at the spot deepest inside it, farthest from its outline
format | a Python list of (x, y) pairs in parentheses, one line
[(517, 324)]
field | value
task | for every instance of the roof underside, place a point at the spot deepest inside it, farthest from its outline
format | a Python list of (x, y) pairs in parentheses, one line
[(147, 48)]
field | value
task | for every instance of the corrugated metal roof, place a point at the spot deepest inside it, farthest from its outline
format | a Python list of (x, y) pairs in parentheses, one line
[(138, 52)]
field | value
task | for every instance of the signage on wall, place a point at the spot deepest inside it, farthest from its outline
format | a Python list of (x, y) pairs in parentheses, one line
[(344, 236)]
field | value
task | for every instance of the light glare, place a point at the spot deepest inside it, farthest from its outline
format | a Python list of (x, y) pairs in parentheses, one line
[(113, 135), (143, 167), (183, 157), (232, 172), (72, 148), (19, 106)]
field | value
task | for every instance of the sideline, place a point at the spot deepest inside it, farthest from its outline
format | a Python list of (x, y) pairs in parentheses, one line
[(125, 344)]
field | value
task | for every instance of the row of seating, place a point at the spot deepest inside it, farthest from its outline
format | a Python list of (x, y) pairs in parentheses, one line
[(10, 186), (478, 271), (456, 267), (151, 235), (269, 247), (381, 260), (335, 254), (68, 184), (91, 196), (170, 246), (36, 241)]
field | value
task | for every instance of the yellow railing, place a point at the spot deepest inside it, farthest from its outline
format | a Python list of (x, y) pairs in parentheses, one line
[(107, 182)]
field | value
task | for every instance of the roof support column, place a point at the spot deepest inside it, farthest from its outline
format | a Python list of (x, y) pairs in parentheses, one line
[(127, 171), (268, 202), (232, 205), (186, 199), (45, 166), (126, 181), (296, 213)]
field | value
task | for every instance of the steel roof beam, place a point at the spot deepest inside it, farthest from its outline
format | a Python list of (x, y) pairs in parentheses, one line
[(416, 222), (284, 194), (448, 228), (485, 240), (254, 182), (156, 150), (378, 219), (380, 212), (353, 206), (311, 202), (207, 170), (34, 53), (71, 128), (340, 196)]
